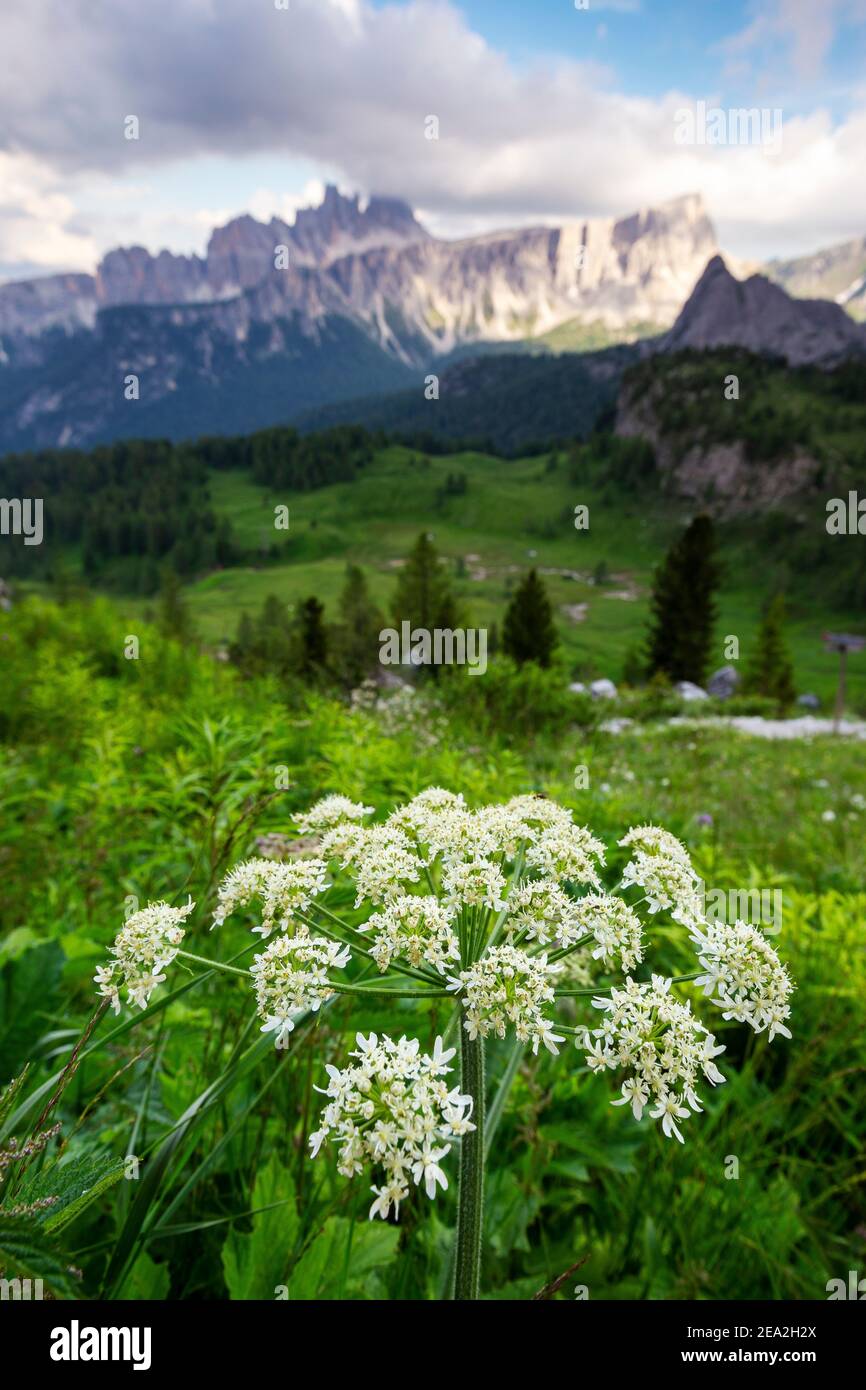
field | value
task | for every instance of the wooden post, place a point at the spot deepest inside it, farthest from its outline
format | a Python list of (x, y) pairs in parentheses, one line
[(843, 643)]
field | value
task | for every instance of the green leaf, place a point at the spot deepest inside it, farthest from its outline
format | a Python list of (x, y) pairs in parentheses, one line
[(29, 986), (344, 1259), (146, 1280), (255, 1262), (26, 1252), (76, 1182)]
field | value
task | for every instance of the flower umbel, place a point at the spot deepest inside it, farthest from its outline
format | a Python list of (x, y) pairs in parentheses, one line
[(147, 942), (392, 1110), (659, 1038), (290, 976)]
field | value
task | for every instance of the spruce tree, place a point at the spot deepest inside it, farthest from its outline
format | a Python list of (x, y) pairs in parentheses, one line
[(683, 606), (173, 618), (357, 636), (529, 632), (770, 671), (424, 595), (312, 640)]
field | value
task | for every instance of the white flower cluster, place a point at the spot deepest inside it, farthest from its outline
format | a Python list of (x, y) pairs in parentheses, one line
[(291, 976), (566, 852), (283, 888), (392, 1109), (384, 862), (744, 975), (329, 812), (661, 866), (659, 1038), (615, 926), (417, 929), (509, 986), (539, 910), (478, 883), (147, 942)]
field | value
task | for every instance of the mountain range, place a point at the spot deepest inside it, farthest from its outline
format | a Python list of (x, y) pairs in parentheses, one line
[(358, 299)]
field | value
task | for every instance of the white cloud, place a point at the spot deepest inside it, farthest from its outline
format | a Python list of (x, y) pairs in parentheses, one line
[(346, 87)]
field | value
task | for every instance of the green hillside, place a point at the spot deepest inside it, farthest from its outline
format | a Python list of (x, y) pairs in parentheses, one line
[(514, 514)]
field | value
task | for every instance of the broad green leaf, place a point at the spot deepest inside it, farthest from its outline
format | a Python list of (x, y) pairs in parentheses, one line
[(255, 1262)]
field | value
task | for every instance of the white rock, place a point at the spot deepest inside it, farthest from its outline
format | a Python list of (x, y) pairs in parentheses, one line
[(687, 690), (602, 690)]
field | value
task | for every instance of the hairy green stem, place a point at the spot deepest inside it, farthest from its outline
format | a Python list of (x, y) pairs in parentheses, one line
[(470, 1201)]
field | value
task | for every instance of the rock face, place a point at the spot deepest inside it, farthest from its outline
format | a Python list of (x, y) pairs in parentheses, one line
[(341, 270), (415, 295), (758, 315)]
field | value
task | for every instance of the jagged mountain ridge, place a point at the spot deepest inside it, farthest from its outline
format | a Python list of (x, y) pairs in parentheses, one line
[(416, 295), (368, 282)]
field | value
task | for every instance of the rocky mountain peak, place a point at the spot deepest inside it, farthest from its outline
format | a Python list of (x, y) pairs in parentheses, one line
[(758, 315)]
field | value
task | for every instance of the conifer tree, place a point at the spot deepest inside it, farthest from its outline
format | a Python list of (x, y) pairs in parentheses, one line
[(172, 614), (424, 595), (356, 638), (683, 606), (312, 640), (770, 671), (529, 632)]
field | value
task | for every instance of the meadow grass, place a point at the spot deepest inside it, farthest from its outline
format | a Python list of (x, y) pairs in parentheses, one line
[(121, 784)]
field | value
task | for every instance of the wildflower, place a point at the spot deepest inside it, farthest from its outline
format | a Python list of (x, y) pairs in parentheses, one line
[(744, 976), (477, 884), (653, 839), (659, 1038), (290, 888), (330, 812), (385, 863), (241, 886), (391, 1110), (543, 912), (291, 976), (615, 926), (508, 986), (283, 888), (147, 942), (566, 852), (669, 883), (418, 929)]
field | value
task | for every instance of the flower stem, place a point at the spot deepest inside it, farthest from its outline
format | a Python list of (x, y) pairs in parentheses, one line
[(470, 1201), (214, 964)]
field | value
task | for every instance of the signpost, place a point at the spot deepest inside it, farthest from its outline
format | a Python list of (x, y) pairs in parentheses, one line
[(843, 643)]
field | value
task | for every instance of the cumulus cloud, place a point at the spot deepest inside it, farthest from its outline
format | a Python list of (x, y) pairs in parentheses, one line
[(347, 87)]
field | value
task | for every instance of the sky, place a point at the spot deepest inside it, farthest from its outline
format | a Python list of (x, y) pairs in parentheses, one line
[(547, 110)]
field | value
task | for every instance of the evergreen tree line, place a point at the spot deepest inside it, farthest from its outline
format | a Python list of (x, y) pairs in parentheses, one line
[(150, 499), (680, 643)]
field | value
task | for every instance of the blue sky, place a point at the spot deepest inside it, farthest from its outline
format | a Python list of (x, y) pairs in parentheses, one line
[(548, 113)]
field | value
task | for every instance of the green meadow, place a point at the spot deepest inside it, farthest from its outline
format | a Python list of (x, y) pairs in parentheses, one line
[(515, 514)]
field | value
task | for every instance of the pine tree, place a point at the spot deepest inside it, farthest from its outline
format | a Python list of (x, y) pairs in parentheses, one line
[(424, 595), (312, 640), (683, 606), (172, 614), (770, 671), (356, 639), (529, 632)]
